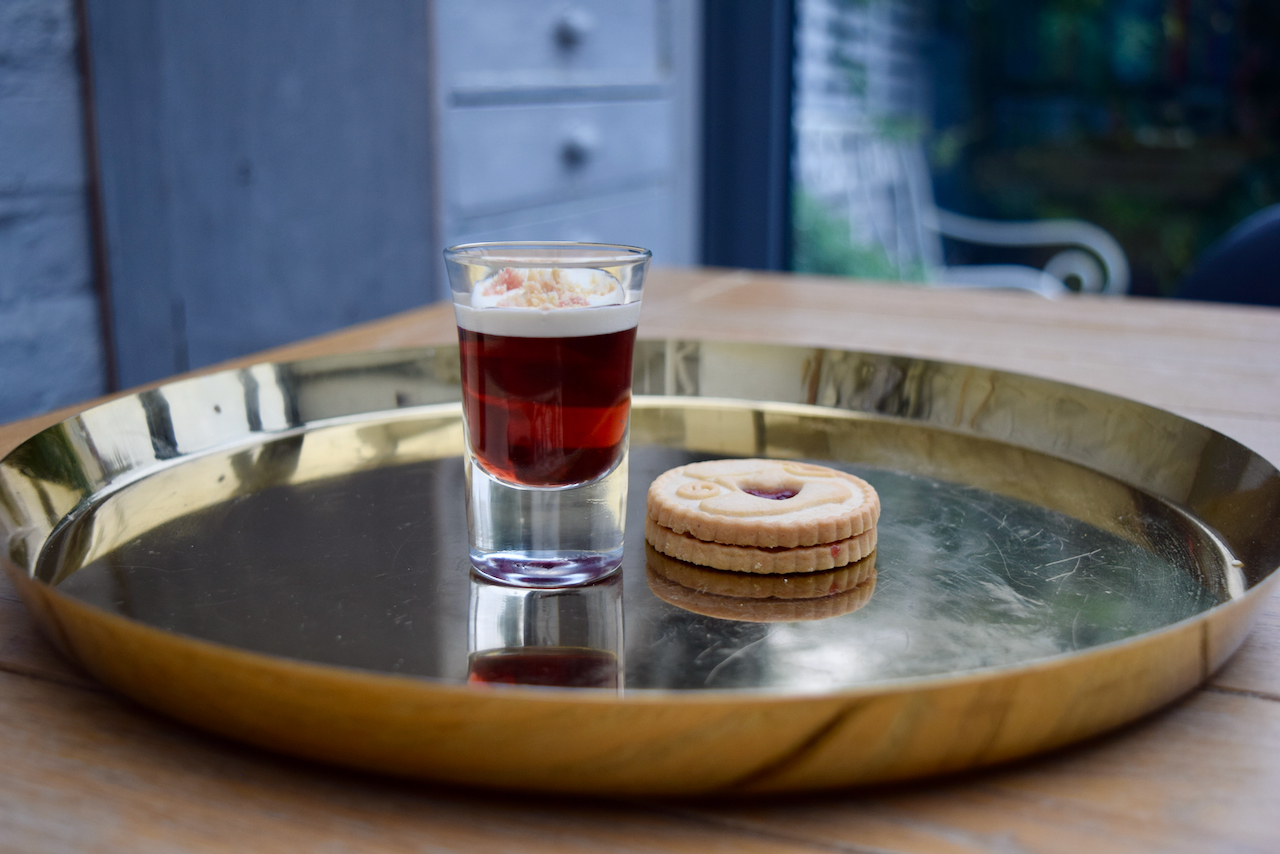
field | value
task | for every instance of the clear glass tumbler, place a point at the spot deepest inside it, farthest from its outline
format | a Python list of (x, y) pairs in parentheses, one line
[(546, 334)]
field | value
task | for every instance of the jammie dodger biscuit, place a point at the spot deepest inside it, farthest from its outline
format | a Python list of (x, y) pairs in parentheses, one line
[(763, 503)]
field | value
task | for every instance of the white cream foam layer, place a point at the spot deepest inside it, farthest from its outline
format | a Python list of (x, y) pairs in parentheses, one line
[(548, 323)]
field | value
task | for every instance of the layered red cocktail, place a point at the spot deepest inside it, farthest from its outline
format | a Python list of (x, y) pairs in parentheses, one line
[(546, 352), (547, 396)]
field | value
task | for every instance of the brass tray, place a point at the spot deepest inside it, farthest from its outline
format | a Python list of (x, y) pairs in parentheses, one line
[(278, 554)]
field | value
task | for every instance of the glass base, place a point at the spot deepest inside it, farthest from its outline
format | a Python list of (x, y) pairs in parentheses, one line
[(533, 537), (546, 569)]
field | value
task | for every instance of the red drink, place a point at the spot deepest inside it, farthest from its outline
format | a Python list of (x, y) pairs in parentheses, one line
[(547, 411)]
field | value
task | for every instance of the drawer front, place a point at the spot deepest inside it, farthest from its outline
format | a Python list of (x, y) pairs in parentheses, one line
[(639, 219), (502, 158), (521, 43)]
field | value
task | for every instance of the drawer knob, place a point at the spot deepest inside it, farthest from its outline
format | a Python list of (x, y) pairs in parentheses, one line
[(572, 29), (579, 147)]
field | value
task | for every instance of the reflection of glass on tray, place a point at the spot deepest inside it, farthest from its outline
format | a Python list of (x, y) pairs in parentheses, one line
[(546, 334), (569, 637)]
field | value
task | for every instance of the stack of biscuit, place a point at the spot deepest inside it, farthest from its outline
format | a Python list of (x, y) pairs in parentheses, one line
[(762, 530)]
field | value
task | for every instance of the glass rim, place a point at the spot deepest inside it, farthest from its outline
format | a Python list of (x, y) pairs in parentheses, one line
[(515, 253)]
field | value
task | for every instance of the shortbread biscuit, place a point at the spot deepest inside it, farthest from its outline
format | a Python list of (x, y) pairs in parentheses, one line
[(755, 559), (763, 503), (748, 610), (803, 585)]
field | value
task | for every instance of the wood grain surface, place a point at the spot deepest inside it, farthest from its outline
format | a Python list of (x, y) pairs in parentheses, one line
[(85, 770)]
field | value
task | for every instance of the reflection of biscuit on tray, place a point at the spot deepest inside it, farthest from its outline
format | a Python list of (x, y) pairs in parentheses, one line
[(763, 503), (760, 598), (803, 585)]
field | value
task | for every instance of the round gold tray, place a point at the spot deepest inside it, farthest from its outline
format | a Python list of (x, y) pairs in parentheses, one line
[(278, 554)]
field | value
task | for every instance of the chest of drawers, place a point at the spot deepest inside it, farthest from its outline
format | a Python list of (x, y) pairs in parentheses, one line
[(569, 121)]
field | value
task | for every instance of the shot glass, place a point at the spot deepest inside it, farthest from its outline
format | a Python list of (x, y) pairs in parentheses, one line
[(567, 637), (546, 334)]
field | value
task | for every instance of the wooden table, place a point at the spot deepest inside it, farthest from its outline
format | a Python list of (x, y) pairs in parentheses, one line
[(84, 770)]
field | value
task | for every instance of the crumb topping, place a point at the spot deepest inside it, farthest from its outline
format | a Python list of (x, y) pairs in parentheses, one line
[(547, 288)]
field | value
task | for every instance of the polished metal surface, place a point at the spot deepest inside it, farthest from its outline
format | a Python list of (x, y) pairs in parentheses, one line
[(313, 513), (370, 570)]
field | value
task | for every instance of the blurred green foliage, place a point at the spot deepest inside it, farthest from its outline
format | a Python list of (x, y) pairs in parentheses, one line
[(821, 243)]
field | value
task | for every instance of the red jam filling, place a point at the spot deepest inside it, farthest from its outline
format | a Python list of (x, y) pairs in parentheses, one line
[(780, 495)]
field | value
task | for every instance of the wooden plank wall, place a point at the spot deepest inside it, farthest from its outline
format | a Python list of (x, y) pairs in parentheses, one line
[(266, 171), (50, 341)]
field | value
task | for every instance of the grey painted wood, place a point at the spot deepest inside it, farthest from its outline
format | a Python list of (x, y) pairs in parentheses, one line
[(266, 168), (511, 44), (125, 48), (50, 330), (511, 157), (269, 169), (595, 139)]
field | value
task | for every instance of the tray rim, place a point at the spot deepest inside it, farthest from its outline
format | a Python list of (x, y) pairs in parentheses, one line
[(1220, 628)]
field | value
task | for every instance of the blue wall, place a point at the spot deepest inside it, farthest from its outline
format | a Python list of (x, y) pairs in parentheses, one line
[(266, 171), (50, 332)]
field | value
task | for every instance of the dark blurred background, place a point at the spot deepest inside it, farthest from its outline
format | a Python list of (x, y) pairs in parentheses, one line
[(1157, 120), (1154, 119), (182, 182)]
